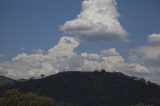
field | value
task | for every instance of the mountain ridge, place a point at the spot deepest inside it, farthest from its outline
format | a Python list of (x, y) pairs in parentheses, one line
[(94, 88), (6, 81)]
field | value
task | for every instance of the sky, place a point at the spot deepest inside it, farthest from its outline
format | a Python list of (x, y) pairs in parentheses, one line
[(49, 36)]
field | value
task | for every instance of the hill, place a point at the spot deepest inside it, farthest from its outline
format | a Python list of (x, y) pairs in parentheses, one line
[(6, 81), (94, 89)]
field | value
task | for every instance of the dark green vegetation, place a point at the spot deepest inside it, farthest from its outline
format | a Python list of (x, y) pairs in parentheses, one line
[(93, 89), (15, 98), (141, 104)]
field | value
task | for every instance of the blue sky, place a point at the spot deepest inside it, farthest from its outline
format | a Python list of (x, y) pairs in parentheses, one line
[(35, 24), (32, 24), (97, 29)]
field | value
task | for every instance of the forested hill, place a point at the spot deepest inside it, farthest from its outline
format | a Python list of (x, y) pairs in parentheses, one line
[(94, 89), (6, 81)]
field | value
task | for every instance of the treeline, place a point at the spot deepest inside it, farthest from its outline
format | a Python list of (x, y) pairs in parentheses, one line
[(98, 88), (14, 98)]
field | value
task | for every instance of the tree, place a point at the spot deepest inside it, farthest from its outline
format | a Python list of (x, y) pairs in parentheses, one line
[(42, 75), (15, 98)]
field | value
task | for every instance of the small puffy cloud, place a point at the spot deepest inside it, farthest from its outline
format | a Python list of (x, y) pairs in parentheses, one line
[(154, 38), (111, 63), (98, 20), (136, 68), (110, 52), (92, 56), (98, 61), (149, 54), (146, 54)]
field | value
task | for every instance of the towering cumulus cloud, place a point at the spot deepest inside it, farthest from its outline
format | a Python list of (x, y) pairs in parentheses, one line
[(98, 20)]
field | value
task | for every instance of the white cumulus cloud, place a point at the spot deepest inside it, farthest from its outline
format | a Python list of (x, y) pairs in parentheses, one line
[(110, 62), (154, 38), (62, 57), (149, 56), (33, 65), (143, 61), (98, 20)]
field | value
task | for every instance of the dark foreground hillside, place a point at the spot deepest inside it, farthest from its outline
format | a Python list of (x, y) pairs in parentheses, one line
[(93, 89)]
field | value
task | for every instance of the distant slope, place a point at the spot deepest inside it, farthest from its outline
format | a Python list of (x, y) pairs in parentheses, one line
[(6, 81), (94, 89)]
